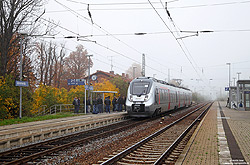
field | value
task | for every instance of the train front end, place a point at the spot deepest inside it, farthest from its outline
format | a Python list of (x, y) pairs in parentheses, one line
[(140, 98)]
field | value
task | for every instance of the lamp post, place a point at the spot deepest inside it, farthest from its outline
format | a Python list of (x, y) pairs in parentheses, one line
[(234, 81), (238, 73), (229, 64), (21, 73), (134, 67), (85, 101), (90, 55), (229, 96)]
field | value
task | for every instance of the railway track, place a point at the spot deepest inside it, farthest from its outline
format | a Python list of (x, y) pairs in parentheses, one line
[(164, 146), (34, 153), (50, 147)]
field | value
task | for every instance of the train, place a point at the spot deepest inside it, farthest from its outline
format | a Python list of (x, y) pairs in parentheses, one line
[(148, 97)]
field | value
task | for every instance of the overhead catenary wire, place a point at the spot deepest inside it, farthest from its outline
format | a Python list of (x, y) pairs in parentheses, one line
[(131, 46), (147, 8), (112, 50), (174, 37), (75, 13)]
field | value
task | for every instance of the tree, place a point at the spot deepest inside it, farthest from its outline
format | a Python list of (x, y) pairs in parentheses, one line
[(49, 63), (121, 85), (14, 17), (76, 65), (9, 99), (134, 69), (106, 85)]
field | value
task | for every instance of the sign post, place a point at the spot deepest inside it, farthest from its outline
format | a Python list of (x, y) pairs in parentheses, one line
[(87, 88), (21, 84)]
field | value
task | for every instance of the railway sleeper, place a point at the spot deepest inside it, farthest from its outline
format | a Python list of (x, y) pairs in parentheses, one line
[(146, 155), (138, 161), (146, 152), (141, 157)]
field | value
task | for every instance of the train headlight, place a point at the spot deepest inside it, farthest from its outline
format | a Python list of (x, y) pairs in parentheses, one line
[(131, 98), (146, 98)]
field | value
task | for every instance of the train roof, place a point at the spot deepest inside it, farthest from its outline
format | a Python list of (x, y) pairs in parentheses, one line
[(162, 82)]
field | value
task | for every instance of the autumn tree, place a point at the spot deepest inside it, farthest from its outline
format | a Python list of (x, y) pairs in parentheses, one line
[(134, 71), (106, 85), (14, 17), (76, 64), (121, 84), (9, 99)]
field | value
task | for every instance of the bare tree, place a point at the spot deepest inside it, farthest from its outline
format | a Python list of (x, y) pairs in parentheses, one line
[(48, 62), (134, 70), (16, 15)]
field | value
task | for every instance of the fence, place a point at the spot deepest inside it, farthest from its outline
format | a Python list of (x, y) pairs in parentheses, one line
[(57, 108)]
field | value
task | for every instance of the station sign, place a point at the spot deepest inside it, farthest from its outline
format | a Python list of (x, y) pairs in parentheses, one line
[(87, 87), (76, 81), (226, 88), (22, 83)]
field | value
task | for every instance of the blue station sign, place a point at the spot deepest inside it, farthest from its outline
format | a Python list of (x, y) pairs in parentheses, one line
[(226, 88), (87, 87), (22, 83), (76, 81)]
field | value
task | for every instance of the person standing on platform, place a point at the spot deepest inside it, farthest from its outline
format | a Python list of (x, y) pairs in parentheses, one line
[(94, 106), (120, 102), (88, 105), (99, 104), (114, 103), (107, 103), (76, 103), (124, 102)]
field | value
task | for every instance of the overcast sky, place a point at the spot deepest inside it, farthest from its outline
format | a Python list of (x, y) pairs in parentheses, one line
[(200, 61)]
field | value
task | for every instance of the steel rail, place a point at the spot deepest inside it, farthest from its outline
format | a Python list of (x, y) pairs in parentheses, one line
[(178, 140), (145, 140), (52, 149), (63, 146)]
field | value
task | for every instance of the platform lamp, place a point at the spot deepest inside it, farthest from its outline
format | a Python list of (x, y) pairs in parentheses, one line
[(238, 73), (229, 77), (229, 68)]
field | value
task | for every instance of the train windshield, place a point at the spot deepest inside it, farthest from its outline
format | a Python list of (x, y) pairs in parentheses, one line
[(140, 88)]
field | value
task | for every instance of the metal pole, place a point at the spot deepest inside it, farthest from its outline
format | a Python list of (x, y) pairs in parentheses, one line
[(21, 75), (238, 73), (134, 71), (88, 81), (229, 95), (229, 74), (85, 102), (234, 81), (143, 65)]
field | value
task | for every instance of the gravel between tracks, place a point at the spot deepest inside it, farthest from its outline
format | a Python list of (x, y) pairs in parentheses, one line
[(96, 150)]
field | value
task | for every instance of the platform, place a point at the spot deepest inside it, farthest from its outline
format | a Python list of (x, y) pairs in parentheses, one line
[(222, 137), (19, 134)]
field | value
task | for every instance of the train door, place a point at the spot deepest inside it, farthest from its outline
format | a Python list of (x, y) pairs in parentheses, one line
[(178, 99), (156, 96)]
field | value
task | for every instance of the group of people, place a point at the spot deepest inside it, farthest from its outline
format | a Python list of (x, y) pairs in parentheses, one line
[(117, 103)]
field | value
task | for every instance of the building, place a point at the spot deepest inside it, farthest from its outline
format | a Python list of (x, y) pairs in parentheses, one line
[(99, 75), (243, 95)]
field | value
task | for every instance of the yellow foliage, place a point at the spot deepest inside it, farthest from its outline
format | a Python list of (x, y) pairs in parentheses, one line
[(106, 85)]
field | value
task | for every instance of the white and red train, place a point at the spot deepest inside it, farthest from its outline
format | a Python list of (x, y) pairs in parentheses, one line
[(148, 97)]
